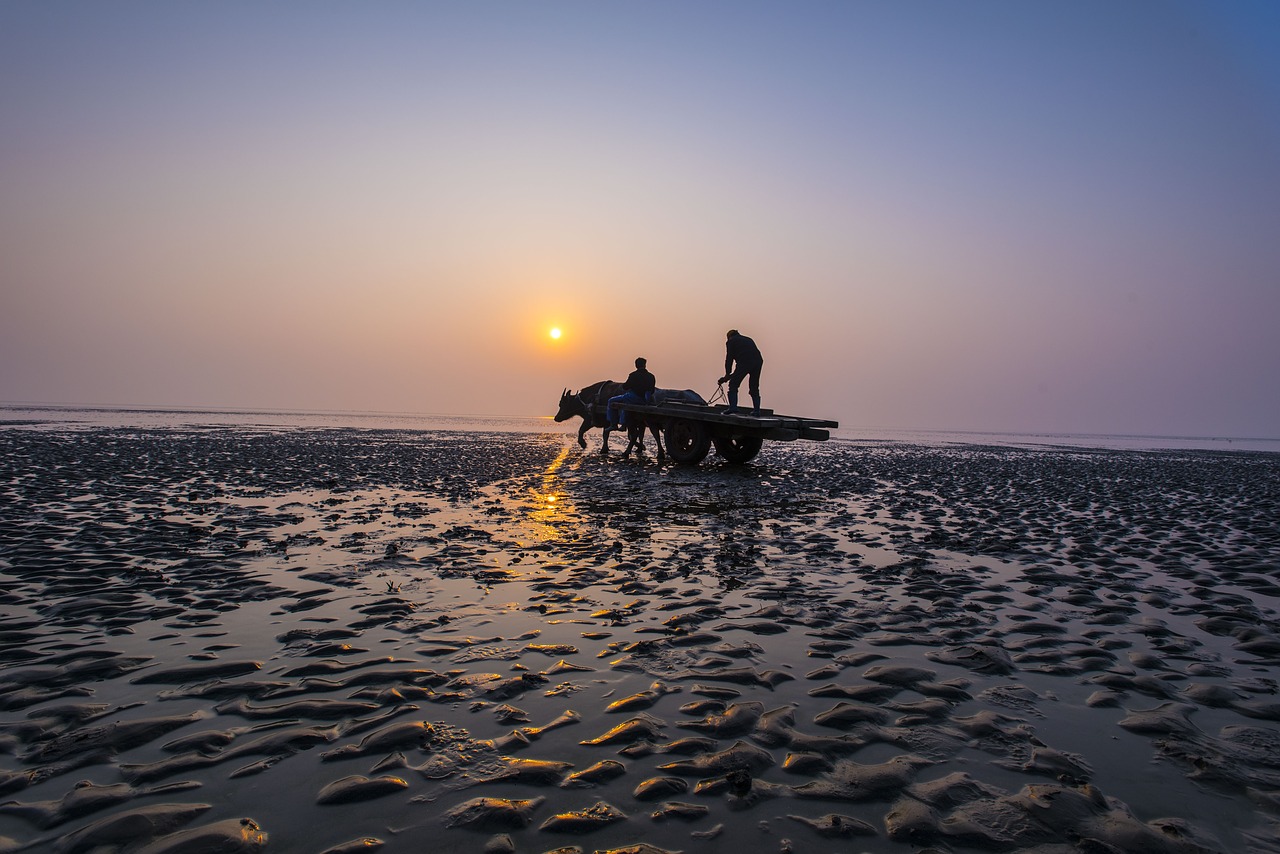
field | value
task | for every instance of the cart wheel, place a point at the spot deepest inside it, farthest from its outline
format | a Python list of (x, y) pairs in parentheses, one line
[(738, 448), (687, 441)]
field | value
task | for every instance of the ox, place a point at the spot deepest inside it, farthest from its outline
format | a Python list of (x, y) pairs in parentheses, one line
[(584, 405), (589, 404)]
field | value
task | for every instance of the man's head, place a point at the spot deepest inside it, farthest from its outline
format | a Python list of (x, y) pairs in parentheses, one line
[(731, 333), (640, 362)]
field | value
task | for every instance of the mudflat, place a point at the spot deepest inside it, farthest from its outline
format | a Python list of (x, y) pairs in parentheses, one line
[(242, 639)]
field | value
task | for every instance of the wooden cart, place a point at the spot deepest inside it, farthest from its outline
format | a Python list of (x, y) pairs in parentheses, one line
[(690, 430)]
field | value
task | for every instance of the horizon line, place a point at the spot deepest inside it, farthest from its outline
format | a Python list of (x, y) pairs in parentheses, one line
[(242, 410)]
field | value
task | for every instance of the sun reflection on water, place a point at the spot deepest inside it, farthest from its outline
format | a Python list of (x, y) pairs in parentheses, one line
[(549, 505)]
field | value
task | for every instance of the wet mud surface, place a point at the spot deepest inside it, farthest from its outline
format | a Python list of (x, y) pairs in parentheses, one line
[(306, 641)]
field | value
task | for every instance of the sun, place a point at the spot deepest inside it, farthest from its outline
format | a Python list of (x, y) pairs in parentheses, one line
[(555, 332)]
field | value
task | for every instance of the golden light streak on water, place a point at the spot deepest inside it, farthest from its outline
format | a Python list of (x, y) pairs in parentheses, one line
[(549, 504)]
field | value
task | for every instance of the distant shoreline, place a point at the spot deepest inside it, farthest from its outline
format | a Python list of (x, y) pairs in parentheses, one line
[(123, 416)]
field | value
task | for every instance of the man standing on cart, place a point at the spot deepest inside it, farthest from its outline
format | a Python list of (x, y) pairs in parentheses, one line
[(742, 359), (639, 389)]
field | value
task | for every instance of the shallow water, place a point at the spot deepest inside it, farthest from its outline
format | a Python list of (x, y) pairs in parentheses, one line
[(396, 568)]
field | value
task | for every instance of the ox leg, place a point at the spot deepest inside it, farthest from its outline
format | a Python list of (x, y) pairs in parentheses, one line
[(582, 433), (604, 440), (657, 440)]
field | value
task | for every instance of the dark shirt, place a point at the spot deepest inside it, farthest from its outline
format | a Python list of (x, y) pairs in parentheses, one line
[(641, 382), (743, 350)]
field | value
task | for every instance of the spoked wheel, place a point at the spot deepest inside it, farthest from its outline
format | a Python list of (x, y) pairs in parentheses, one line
[(687, 441), (738, 448)]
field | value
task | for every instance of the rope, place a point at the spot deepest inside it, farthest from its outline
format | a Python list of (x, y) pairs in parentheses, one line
[(719, 395)]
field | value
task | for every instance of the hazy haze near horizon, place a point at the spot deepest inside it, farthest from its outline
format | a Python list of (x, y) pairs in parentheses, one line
[(981, 215)]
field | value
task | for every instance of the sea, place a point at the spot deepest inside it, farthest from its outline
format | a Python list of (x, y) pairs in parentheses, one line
[(73, 417)]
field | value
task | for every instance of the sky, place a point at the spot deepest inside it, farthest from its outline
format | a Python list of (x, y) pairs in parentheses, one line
[(981, 215)]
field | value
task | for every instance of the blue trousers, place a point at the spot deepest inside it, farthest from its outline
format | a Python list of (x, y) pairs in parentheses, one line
[(626, 397)]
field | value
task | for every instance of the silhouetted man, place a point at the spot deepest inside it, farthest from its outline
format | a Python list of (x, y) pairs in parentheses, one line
[(742, 359), (639, 389)]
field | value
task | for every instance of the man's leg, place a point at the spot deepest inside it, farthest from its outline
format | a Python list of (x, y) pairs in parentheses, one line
[(735, 382), (620, 418), (753, 388), (632, 397)]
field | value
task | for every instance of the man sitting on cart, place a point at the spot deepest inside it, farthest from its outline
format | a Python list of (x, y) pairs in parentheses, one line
[(639, 389)]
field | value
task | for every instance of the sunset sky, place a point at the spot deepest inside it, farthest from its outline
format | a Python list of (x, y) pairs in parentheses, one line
[(1044, 216)]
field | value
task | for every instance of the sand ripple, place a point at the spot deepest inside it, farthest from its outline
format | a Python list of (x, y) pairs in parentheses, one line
[(231, 640)]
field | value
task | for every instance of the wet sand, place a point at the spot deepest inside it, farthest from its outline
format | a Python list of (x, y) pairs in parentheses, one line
[(349, 640)]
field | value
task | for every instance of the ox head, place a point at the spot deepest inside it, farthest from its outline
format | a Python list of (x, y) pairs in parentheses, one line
[(570, 406)]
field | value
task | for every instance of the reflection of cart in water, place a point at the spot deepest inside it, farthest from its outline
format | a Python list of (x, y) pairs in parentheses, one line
[(689, 430)]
